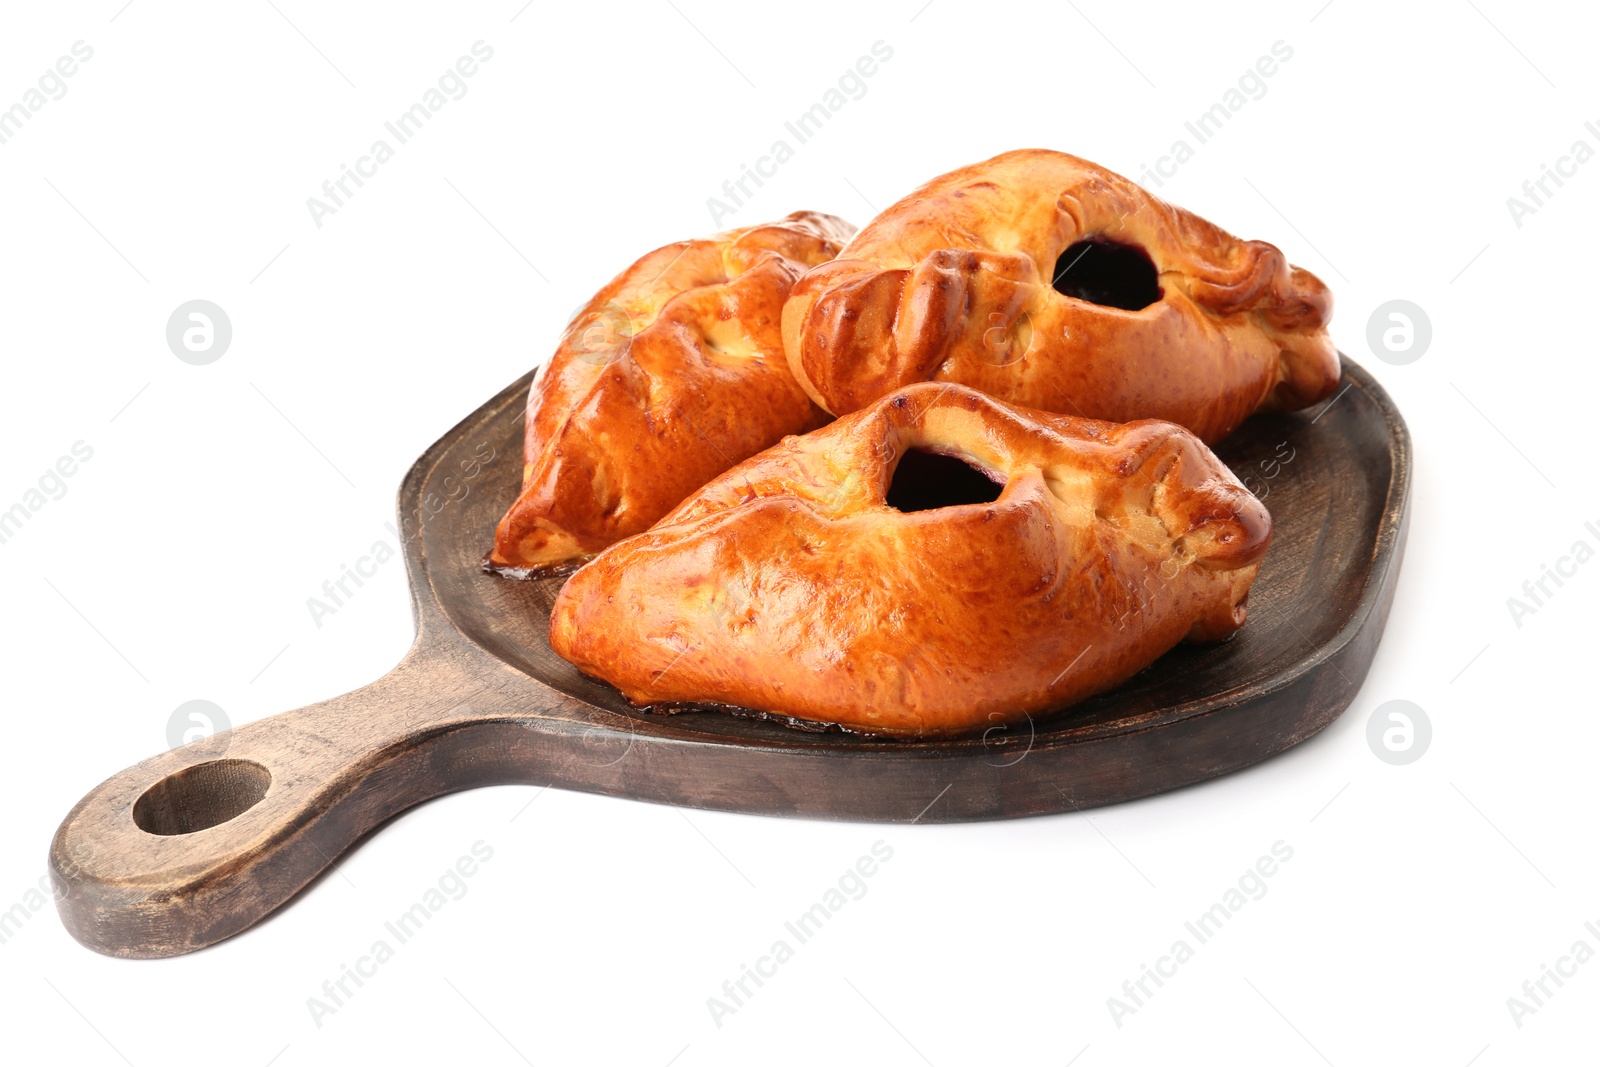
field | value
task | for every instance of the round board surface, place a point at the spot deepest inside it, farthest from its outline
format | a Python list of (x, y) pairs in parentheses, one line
[(1335, 480)]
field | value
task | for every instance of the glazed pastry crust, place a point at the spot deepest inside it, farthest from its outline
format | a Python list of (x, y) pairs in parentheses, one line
[(790, 587), (954, 283), (670, 375)]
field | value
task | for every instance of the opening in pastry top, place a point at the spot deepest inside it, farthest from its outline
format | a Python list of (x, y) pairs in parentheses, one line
[(1109, 273), (924, 480)]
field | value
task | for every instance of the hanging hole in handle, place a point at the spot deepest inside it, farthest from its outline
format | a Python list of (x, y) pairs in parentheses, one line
[(200, 797)]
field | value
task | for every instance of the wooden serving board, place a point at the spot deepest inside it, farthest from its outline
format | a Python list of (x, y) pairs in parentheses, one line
[(198, 843)]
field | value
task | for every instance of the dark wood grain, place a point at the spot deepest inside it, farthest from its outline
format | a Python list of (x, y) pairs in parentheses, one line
[(480, 699)]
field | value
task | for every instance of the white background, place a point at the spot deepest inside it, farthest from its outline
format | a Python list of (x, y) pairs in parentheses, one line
[(219, 498)]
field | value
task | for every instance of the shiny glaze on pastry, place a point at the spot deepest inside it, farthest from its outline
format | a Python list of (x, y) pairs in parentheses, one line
[(1032, 560), (670, 375), (1047, 281)]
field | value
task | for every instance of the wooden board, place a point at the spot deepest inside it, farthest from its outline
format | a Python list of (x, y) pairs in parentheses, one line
[(196, 844)]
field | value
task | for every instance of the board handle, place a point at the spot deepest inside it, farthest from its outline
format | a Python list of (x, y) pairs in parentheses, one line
[(198, 843)]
